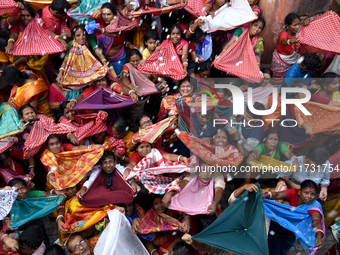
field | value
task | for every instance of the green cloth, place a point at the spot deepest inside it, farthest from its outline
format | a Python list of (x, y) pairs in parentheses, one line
[(259, 46), (35, 193), (240, 228), (82, 13), (91, 39), (281, 149), (10, 123), (238, 32)]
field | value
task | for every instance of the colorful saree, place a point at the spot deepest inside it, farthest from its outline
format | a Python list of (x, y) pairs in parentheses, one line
[(196, 8), (7, 142), (15, 171), (168, 105), (81, 68), (205, 49), (70, 167), (269, 164), (82, 13), (117, 145), (8, 6), (10, 123), (7, 198), (29, 209), (122, 24)]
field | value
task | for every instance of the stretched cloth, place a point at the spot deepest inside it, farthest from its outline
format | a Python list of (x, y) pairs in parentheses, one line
[(103, 98), (260, 94), (316, 36), (118, 145), (229, 156), (79, 218), (36, 41), (26, 210), (150, 169), (144, 85), (40, 131), (39, 4), (229, 17), (81, 68), (116, 236), (10, 123), (7, 198), (196, 8), (334, 67), (296, 220), (100, 193), (241, 63), (269, 164), (122, 24), (319, 113), (205, 49), (195, 193), (155, 11), (70, 167), (164, 62), (82, 13), (241, 222), (168, 105), (7, 6), (85, 125), (155, 131), (154, 221), (7, 142)]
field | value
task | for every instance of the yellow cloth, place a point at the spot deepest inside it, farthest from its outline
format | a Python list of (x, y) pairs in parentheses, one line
[(145, 53), (3, 57), (331, 205), (127, 139)]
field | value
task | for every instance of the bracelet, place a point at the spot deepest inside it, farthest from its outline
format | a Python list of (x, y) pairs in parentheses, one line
[(287, 182), (123, 157), (185, 64), (2, 238), (131, 91), (51, 191), (59, 216), (14, 65), (188, 216), (316, 220), (10, 39), (62, 68), (74, 100), (31, 166), (191, 30), (270, 194), (319, 230), (153, 251), (133, 142), (56, 37), (288, 41), (51, 172), (179, 157), (103, 30), (104, 60), (293, 158)]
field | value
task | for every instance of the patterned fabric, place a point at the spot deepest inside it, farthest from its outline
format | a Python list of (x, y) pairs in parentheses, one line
[(155, 131), (40, 131), (196, 8), (260, 94), (316, 36), (7, 198), (7, 6), (13, 171), (168, 105), (164, 62), (81, 68), (85, 125), (83, 12), (26, 210), (122, 24), (10, 123), (270, 164), (242, 65), (70, 167), (154, 221), (155, 11), (118, 145), (150, 169), (205, 49), (7, 142), (36, 41)]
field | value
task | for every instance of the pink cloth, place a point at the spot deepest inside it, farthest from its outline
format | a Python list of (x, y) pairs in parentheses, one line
[(195, 193), (54, 95)]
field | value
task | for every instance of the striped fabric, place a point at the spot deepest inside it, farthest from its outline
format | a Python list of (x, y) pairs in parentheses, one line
[(7, 142), (117, 145), (144, 85), (39, 133), (122, 24), (7, 6), (196, 8), (71, 166), (156, 12), (164, 62), (36, 41)]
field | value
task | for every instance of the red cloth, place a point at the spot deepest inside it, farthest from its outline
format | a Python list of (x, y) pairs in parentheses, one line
[(239, 59), (88, 91), (284, 50), (54, 95), (118, 144), (293, 198), (321, 35), (136, 158), (36, 41), (7, 6), (122, 24), (52, 23), (196, 8), (318, 98), (164, 62)]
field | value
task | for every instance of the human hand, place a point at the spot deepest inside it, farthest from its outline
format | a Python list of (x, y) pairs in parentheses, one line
[(212, 209), (80, 194), (187, 238), (135, 187), (65, 33), (251, 187), (7, 222), (318, 242), (294, 39), (60, 224), (135, 225), (64, 45), (73, 139), (142, 62), (10, 243), (9, 47), (60, 78), (167, 199), (187, 225), (71, 104), (323, 194), (96, 14), (20, 5), (134, 96)]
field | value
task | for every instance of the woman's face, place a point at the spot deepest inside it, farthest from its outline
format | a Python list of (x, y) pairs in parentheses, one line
[(145, 122), (255, 28), (220, 139), (107, 16), (307, 195), (101, 83), (205, 177), (25, 17), (175, 36), (143, 149), (205, 74), (272, 141), (158, 205), (70, 192), (54, 145), (129, 209), (185, 89), (253, 2), (28, 114), (334, 86), (80, 37), (134, 60), (117, 134), (220, 3), (108, 165), (22, 191), (69, 114), (294, 27)]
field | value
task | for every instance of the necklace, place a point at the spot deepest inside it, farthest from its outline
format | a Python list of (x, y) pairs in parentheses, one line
[(108, 181)]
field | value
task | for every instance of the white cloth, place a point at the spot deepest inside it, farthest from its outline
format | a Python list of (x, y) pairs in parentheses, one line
[(118, 239), (334, 67), (95, 171)]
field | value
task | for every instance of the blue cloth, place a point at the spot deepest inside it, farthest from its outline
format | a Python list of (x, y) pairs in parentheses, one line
[(207, 132), (119, 64), (295, 219), (252, 132), (205, 48), (73, 94), (10, 123)]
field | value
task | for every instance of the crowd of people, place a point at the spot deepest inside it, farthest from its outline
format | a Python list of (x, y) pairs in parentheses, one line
[(103, 129)]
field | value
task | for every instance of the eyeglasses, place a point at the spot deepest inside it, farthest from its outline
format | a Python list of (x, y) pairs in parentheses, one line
[(81, 244), (147, 122)]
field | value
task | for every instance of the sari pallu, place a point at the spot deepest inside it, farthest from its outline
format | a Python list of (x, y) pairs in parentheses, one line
[(10, 123), (7, 142), (70, 167), (81, 68), (7, 198), (14, 171), (168, 105)]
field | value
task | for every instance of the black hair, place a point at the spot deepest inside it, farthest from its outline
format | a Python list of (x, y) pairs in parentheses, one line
[(309, 184), (173, 26), (54, 249), (219, 130), (267, 70), (111, 7), (203, 67), (259, 19), (297, 84), (184, 15), (63, 106), (106, 155), (13, 75), (257, 106), (15, 181), (23, 108), (197, 35), (121, 125), (71, 238), (29, 8), (3, 156), (328, 78), (76, 28), (4, 36), (134, 52), (312, 62), (139, 117), (290, 19), (318, 154), (52, 136), (32, 237), (150, 35), (137, 145), (60, 6), (182, 248), (272, 131)]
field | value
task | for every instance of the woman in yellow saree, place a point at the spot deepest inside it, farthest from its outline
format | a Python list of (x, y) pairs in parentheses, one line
[(27, 88)]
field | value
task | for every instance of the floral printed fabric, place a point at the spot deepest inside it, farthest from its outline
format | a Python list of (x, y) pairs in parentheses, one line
[(7, 198)]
